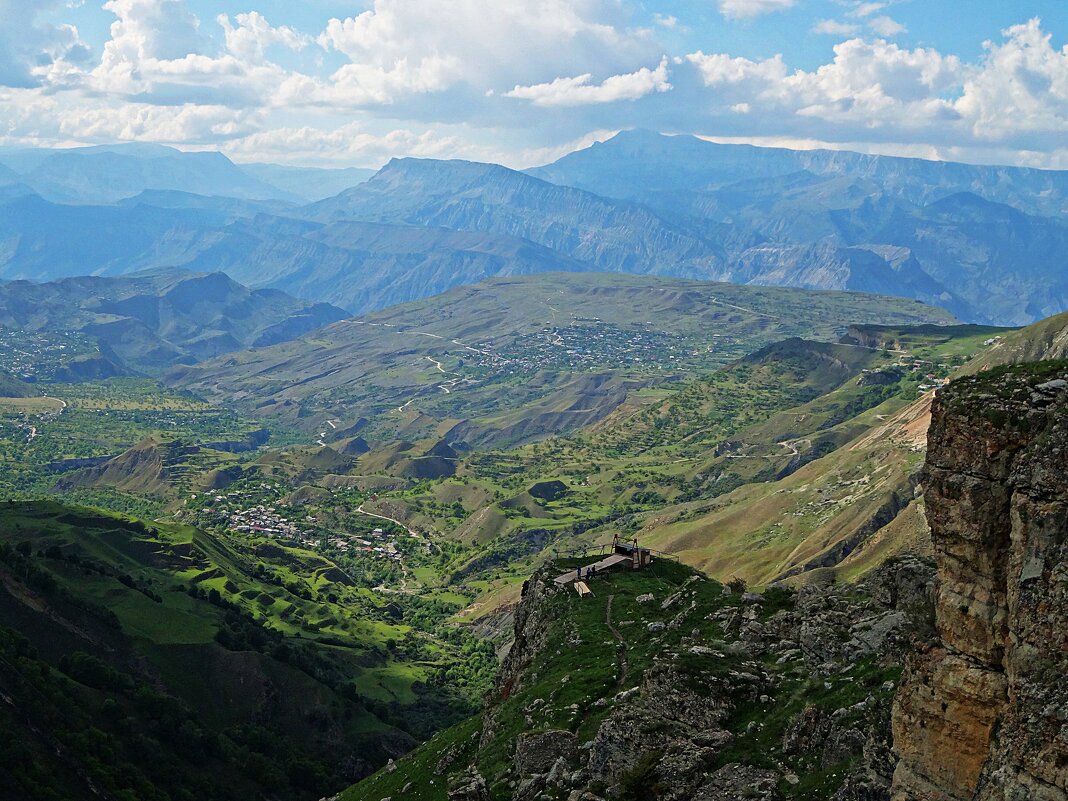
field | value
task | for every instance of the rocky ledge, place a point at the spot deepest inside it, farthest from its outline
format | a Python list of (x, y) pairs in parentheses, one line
[(982, 712), (726, 695)]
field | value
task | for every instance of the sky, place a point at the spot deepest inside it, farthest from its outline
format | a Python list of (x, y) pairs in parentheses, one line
[(522, 82)]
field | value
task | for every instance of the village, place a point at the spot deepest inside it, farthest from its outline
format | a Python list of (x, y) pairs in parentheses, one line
[(258, 512), (31, 356), (587, 344)]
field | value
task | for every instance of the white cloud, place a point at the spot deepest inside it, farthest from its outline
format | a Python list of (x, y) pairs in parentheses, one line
[(861, 10), (351, 143), (719, 69), (885, 26), (747, 9), (1021, 88), (1057, 159), (140, 122), (874, 83), (34, 53), (159, 53), (253, 35), (834, 27), (1016, 96), (578, 91), (354, 144), (416, 46), (417, 76)]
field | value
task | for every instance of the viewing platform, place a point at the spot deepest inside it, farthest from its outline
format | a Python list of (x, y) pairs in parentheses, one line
[(621, 554)]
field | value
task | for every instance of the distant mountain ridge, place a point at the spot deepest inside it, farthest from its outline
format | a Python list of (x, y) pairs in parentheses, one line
[(109, 173), (365, 266), (986, 243), (154, 320), (635, 163), (470, 196)]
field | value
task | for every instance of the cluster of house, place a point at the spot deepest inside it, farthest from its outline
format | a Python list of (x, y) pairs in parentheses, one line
[(585, 344), (930, 380), (265, 520), (379, 546), (31, 356)]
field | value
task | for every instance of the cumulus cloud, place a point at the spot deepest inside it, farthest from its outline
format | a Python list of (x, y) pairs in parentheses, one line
[(160, 53), (33, 53), (472, 80), (579, 91), (720, 69), (132, 122), (885, 26), (1021, 88), (253, 35), (415, 46), (747, 9), (1015, 96)]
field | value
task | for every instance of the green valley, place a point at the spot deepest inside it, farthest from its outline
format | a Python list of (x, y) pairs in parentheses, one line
[(285, 522), (266, 662)]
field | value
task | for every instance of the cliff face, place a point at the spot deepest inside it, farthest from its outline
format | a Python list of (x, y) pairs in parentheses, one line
[(664, 685), (982, 713)]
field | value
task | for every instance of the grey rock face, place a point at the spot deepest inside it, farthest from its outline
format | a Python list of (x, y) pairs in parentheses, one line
[(733, 782), (538, 752), (469, 786)]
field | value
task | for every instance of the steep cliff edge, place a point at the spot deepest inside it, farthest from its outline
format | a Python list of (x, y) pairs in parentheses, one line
[(665, 685), (983, 712)]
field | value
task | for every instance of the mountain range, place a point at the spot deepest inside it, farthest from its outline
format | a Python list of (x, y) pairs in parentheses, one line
[(109, 173), (149, 321), (986, 243)]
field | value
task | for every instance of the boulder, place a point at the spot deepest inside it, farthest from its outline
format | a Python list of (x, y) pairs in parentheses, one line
[(538, 752)]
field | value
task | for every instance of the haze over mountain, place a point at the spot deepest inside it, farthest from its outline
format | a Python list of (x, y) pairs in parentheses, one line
[(108, 173), (308, 183), (153, 320), (986, 243), (645, 165)]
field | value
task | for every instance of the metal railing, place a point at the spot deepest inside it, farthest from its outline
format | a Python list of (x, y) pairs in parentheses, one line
[(601, 550)]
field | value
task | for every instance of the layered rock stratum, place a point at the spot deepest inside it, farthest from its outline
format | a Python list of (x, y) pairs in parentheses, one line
[(982, 712)]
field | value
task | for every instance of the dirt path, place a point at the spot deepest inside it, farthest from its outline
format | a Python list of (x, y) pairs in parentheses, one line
[(621, 648)]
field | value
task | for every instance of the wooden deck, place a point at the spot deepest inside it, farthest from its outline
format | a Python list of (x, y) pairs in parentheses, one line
[(609, 561)]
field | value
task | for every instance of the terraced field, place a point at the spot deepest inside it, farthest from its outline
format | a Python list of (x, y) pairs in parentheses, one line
[(274, 646)]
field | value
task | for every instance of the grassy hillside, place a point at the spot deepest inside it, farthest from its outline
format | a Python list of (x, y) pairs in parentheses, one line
[(662, 681), (160, 660), (789, 463), (511, 360), (62, 427)]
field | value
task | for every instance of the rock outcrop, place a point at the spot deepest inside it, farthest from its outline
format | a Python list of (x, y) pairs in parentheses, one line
[(718, 682), (982, 712)]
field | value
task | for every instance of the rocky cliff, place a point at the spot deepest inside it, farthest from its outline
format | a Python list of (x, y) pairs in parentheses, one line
[(665, 685), (982, 712)]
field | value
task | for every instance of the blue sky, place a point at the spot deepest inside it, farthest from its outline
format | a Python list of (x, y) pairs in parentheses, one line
[(523, 81)]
